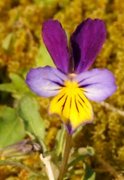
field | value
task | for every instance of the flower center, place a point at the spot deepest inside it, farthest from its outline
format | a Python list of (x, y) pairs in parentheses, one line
[(71, 104), (71, 88)]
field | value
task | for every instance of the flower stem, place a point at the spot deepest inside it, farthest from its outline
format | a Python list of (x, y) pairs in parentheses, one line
[(67, 149)]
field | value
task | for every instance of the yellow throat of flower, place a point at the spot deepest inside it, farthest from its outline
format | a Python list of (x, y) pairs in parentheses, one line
[(72, 105), (71, 88)]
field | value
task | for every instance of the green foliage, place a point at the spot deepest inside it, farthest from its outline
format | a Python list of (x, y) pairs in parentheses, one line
[(26, 114), (80, 155), (60, 142), (43, 58), (11, 127), (89, 174), (17, 86), (29, 111)]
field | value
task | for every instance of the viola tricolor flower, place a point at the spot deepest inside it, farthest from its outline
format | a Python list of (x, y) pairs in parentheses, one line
[(71, 83)]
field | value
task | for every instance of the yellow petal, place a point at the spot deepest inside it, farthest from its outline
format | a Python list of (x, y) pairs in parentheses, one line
[(72, 105)]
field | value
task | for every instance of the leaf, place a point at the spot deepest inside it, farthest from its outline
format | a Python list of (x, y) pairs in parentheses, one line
[(81, 154), (29, 111), (17, 86), (60, 141), (89, 174), (11, 127), (7, 87), (75, 160), (18, 83), (43, 58), (6, 42), (90, 151)]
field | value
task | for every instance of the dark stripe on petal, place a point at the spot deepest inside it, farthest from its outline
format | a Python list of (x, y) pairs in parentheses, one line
[(98, 85), (61, 97), (81, 98), (60, 77), (70, 102), (86, 85), (58, 83), (76, 105), (63, 106), (80, 103), (40, 80), (83, 101)]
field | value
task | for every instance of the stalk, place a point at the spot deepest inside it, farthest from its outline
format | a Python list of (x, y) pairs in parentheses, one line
[(67, 150)]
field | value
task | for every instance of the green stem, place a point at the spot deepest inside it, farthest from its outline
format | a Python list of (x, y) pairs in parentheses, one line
[(67, 149)]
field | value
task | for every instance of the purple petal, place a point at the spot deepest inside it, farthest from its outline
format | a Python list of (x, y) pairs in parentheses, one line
[(56, 43), (45, 81), (98, 84), (86, 43)]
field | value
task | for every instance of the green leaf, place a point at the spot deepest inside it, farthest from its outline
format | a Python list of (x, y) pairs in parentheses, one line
[(60, 141), (81, 154), (29, 111), (17, 86), (19, 83), (43, 58), (17, 80), (76, 160), (11, 127), (89, 174), (7, 87), (6, 42)]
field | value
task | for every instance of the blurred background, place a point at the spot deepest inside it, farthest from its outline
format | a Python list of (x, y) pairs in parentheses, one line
[(21, 47)]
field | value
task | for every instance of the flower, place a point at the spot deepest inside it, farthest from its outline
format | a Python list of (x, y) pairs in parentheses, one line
[(71, 83)]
